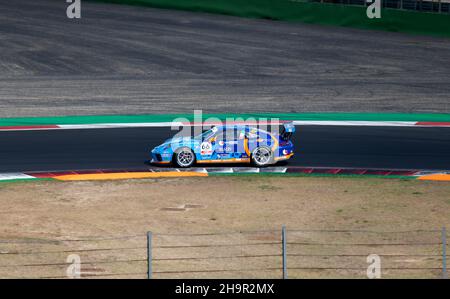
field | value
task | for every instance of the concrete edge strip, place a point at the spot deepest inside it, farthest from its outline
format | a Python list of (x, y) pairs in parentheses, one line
[(204, 172), (15, 176), (178, 124)]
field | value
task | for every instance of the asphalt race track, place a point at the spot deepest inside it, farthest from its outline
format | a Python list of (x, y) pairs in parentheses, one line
[(327, 146)]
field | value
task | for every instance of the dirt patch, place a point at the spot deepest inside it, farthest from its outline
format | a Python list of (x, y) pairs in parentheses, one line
[(39, 216)]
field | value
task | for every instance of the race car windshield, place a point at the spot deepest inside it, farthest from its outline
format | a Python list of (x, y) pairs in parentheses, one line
[(206, 134)]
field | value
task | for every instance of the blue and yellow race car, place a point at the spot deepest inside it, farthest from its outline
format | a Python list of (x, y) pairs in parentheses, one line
[(228, 144)]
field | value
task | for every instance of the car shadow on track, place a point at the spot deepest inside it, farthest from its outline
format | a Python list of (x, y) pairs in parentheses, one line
[(218, 165)]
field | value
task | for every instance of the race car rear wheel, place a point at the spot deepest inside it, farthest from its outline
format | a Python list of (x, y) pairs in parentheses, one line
[(184, 157), (262, 156)]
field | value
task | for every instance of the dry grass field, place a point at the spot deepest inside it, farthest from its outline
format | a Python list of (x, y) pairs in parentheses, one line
[(43, 222)]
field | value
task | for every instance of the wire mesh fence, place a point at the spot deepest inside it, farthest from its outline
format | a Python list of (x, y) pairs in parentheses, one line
[(246, 254), (224, 255), (436, 6), (344, 254), (99, 257)]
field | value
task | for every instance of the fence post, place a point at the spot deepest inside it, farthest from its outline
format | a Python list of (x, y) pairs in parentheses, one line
[(149, 255), (444, 253), (283, 240)]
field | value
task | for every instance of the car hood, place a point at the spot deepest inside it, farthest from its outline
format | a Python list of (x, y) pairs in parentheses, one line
[(177, 140)]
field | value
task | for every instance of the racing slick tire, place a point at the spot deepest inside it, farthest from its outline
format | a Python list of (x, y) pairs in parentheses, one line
[(262, 156), (184, 157)]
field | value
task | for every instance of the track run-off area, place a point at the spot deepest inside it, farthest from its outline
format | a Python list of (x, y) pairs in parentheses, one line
[(134, 60)]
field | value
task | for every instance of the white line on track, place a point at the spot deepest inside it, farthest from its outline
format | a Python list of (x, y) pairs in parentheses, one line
[(355, 123), (14, 176)]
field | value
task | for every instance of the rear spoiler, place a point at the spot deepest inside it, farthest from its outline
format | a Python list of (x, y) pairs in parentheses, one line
[(287, 131), (288, 127)]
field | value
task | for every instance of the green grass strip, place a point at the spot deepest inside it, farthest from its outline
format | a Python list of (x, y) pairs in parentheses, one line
[(263, 174), (403, 177), (26, 180), (98, 119), (318, 13)]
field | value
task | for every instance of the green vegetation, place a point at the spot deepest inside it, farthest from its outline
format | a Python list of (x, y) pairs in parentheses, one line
[(317, 13)]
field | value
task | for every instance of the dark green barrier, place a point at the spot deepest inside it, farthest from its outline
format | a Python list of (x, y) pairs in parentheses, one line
[(317, 13)]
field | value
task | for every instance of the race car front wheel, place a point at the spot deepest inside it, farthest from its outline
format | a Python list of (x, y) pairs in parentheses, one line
[(262, 156), (184, 157)]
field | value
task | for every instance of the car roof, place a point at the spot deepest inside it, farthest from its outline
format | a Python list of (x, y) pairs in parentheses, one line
[(240, 127), (237, 126)]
